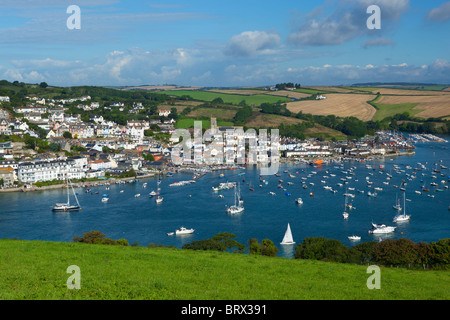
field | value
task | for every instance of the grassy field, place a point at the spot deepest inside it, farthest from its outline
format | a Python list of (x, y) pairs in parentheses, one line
[(433, 106), (206, 124), (256, 99), (219, 113), (35, 270), (388, 110)]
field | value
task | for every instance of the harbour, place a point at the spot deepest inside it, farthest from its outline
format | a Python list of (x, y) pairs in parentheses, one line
[(270, 205)]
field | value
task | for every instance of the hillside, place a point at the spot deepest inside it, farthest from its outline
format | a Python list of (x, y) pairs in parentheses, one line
[(35, 270)]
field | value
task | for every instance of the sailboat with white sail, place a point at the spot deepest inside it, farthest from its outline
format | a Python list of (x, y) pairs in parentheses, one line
[(65, 207), (159, 199), (397, 205), (345, 213), (238, 203), (402, 217), (288, 236)]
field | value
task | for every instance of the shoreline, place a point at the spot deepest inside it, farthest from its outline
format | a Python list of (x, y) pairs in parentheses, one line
[(75, 184), (34, 188)]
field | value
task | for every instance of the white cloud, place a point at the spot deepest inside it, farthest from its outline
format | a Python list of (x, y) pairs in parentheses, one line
[(251, 43), (346, 22), (440, 14)]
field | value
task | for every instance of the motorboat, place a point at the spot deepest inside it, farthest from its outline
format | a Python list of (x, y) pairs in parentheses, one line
[(381, 228), (183, 230), (299, 201), (354, 238)]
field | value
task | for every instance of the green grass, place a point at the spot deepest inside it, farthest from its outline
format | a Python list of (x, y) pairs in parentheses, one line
[(35, 270), (256, 99), (388, 110), (206, 124)]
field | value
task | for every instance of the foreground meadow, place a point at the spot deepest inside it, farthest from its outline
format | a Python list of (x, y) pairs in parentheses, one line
[(38, 270)]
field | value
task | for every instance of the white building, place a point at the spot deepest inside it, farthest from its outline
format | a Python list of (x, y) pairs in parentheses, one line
[(32, 172)]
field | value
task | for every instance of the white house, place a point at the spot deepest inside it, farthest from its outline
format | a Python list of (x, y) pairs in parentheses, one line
[(163, 113)]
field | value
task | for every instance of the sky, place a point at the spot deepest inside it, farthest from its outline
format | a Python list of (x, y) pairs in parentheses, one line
[(224, 43)]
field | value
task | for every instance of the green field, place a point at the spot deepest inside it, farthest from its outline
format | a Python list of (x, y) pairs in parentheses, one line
[(36, 270), (206, 124), (388, 110), (256, 99)]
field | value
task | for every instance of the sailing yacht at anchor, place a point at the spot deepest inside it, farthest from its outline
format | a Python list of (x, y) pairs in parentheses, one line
[(65, 207), (288, 236), (237, 207)]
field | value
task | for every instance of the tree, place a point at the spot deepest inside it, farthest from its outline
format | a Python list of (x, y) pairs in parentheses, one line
[(148, 157), (90, 237), (401, 252), (67, 135), (254, 247), (220, 242), (320, 248), (227, 240), (268, 248), (43, 85)]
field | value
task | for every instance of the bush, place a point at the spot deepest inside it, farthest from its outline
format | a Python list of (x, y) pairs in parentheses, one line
[(401, 252), (90, 237), (220, 242), (322, 249)]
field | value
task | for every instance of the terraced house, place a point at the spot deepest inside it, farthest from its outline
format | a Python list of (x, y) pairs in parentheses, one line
[(32, 172)]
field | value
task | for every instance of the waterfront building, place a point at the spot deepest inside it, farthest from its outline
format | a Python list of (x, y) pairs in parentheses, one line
[(32, 172)]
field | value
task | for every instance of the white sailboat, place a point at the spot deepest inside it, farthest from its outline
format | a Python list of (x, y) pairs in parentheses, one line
[(345, 213), (397, 205), (159, 199), (64, 207), (402, 217), (288, 236), (237, 207)]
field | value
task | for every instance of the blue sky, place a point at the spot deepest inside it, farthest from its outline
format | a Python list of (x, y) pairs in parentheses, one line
[(224, 43)]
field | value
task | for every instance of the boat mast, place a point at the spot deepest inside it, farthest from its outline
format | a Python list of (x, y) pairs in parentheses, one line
[(68, 194)]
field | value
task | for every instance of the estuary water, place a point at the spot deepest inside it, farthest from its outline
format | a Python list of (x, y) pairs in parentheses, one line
[(139, 219)]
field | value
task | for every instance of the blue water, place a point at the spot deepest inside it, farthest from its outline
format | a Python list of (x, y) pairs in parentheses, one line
[(29, 216)]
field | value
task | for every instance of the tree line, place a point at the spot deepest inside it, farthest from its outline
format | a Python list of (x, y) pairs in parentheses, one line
[(390, 253)]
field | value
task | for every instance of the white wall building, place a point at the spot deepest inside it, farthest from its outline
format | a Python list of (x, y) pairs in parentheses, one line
[(32, 172)]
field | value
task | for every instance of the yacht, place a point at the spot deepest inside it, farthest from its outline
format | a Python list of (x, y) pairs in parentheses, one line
[(65, 207), (237, 207), (404, 216), (381, 228), (183, 230), (287, 239), (354, 238), (397, 205)]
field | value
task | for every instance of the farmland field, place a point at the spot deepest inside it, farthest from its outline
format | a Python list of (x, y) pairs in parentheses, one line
[(424, 106), (206, 124), (342, 105), (220, 114), (256, 99), (264, 120)]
